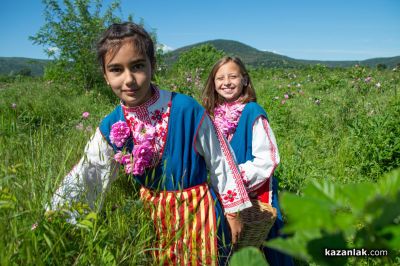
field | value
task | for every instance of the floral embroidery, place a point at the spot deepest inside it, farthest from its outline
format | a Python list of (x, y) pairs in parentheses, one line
[(157, 115), (226, 117), (229, 196)]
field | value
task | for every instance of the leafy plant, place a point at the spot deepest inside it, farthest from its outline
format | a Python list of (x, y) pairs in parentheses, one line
[(342, 217)]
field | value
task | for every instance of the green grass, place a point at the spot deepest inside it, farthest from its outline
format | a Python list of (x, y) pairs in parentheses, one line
[(351, 136)]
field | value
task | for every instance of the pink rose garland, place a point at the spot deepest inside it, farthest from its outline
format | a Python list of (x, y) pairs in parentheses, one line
[(226, 117)]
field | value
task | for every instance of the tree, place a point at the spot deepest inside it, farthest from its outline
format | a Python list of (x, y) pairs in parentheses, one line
[(381, 66), (26, 72), (202, 58), (69, 36)]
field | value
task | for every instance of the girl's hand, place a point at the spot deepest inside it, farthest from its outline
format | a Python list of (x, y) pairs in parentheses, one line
[(236, 226)]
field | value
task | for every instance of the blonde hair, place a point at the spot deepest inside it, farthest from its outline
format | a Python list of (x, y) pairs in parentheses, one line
[(210, 97)]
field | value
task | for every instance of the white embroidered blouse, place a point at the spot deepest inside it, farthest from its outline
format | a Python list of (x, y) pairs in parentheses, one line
[(264, 148), (97, 169)]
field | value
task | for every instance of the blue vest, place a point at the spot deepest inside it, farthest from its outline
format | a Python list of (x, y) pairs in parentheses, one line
[(241, 141), (171, 173)]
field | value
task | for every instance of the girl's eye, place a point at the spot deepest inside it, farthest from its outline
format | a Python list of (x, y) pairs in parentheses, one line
[(219, 78), (233, 76), (137, 67), (115, 69)]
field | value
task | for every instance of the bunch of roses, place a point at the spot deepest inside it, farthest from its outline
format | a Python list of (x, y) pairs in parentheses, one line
[(226, 117), (143, 151)]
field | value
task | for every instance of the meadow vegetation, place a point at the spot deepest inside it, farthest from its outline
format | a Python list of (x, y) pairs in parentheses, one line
[(338, 126)]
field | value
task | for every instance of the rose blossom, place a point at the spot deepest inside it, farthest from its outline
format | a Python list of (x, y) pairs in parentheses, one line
[(119, 133), (85, 115)]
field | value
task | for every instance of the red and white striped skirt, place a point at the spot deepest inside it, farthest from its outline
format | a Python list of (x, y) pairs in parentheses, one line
[(185, 225)]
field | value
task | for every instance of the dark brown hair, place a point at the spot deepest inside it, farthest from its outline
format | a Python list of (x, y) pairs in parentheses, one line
[(210, 97), (117, 34)]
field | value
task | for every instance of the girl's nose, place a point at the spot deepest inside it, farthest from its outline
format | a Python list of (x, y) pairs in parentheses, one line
[(129, 79), (227, 81)]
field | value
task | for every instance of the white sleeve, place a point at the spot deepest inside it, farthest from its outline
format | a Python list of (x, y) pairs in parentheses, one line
[(90, 178), (266, 156), (224, 173)]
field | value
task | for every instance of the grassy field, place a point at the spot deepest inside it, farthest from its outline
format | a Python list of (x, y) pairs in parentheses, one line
[(340, 125)]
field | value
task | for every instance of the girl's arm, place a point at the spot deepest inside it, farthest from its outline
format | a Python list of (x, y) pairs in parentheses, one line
[(266, 156), (224, 173), (90, 178)]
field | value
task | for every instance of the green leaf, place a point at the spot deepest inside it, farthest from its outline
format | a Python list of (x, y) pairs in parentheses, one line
[(294, 245), (249, 256), (323, 191), (48, 241), (384, 211), (316, 248), (392, 236), (306, 212), (390, 184), (356, 196)]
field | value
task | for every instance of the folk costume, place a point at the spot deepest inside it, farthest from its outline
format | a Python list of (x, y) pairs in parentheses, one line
[(167, 144), (246, 128)]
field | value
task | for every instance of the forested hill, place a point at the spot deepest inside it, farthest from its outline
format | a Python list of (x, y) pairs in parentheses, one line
[(257, 58), (23, 66)]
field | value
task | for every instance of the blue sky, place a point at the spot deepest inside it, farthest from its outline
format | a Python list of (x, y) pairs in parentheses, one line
[(302, 29)]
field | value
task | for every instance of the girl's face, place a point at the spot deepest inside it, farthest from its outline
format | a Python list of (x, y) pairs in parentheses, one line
[(229, 81), (129, 75)]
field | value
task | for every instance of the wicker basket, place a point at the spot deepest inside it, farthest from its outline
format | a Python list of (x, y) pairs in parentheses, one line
[(257, 221)]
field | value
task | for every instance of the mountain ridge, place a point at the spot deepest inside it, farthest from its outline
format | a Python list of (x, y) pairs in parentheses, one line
[(256, 58), (250, 56)]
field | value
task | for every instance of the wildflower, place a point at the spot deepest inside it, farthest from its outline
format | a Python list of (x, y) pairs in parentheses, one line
[(286, 96), (89, 129), (298, 85), (276, 98), (378, 85), (367, 79), (119, 133), (79, 126), (13, 105), (283, 101), (317, 101), (301, 92), (85, 115), (34, 226)]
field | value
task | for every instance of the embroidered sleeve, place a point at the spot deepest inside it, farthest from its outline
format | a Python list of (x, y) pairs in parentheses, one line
[(266, 156), (224, 174), (89, 179)]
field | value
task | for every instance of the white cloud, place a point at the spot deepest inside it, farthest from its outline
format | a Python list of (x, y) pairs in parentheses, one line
[(165, 48), (53, 49)]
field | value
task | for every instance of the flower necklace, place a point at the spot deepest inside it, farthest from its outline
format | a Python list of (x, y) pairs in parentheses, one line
[(226, 117), (143, 150)]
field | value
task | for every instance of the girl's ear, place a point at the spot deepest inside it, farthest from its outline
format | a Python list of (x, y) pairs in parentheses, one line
[(245, 81), (105, 77)]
